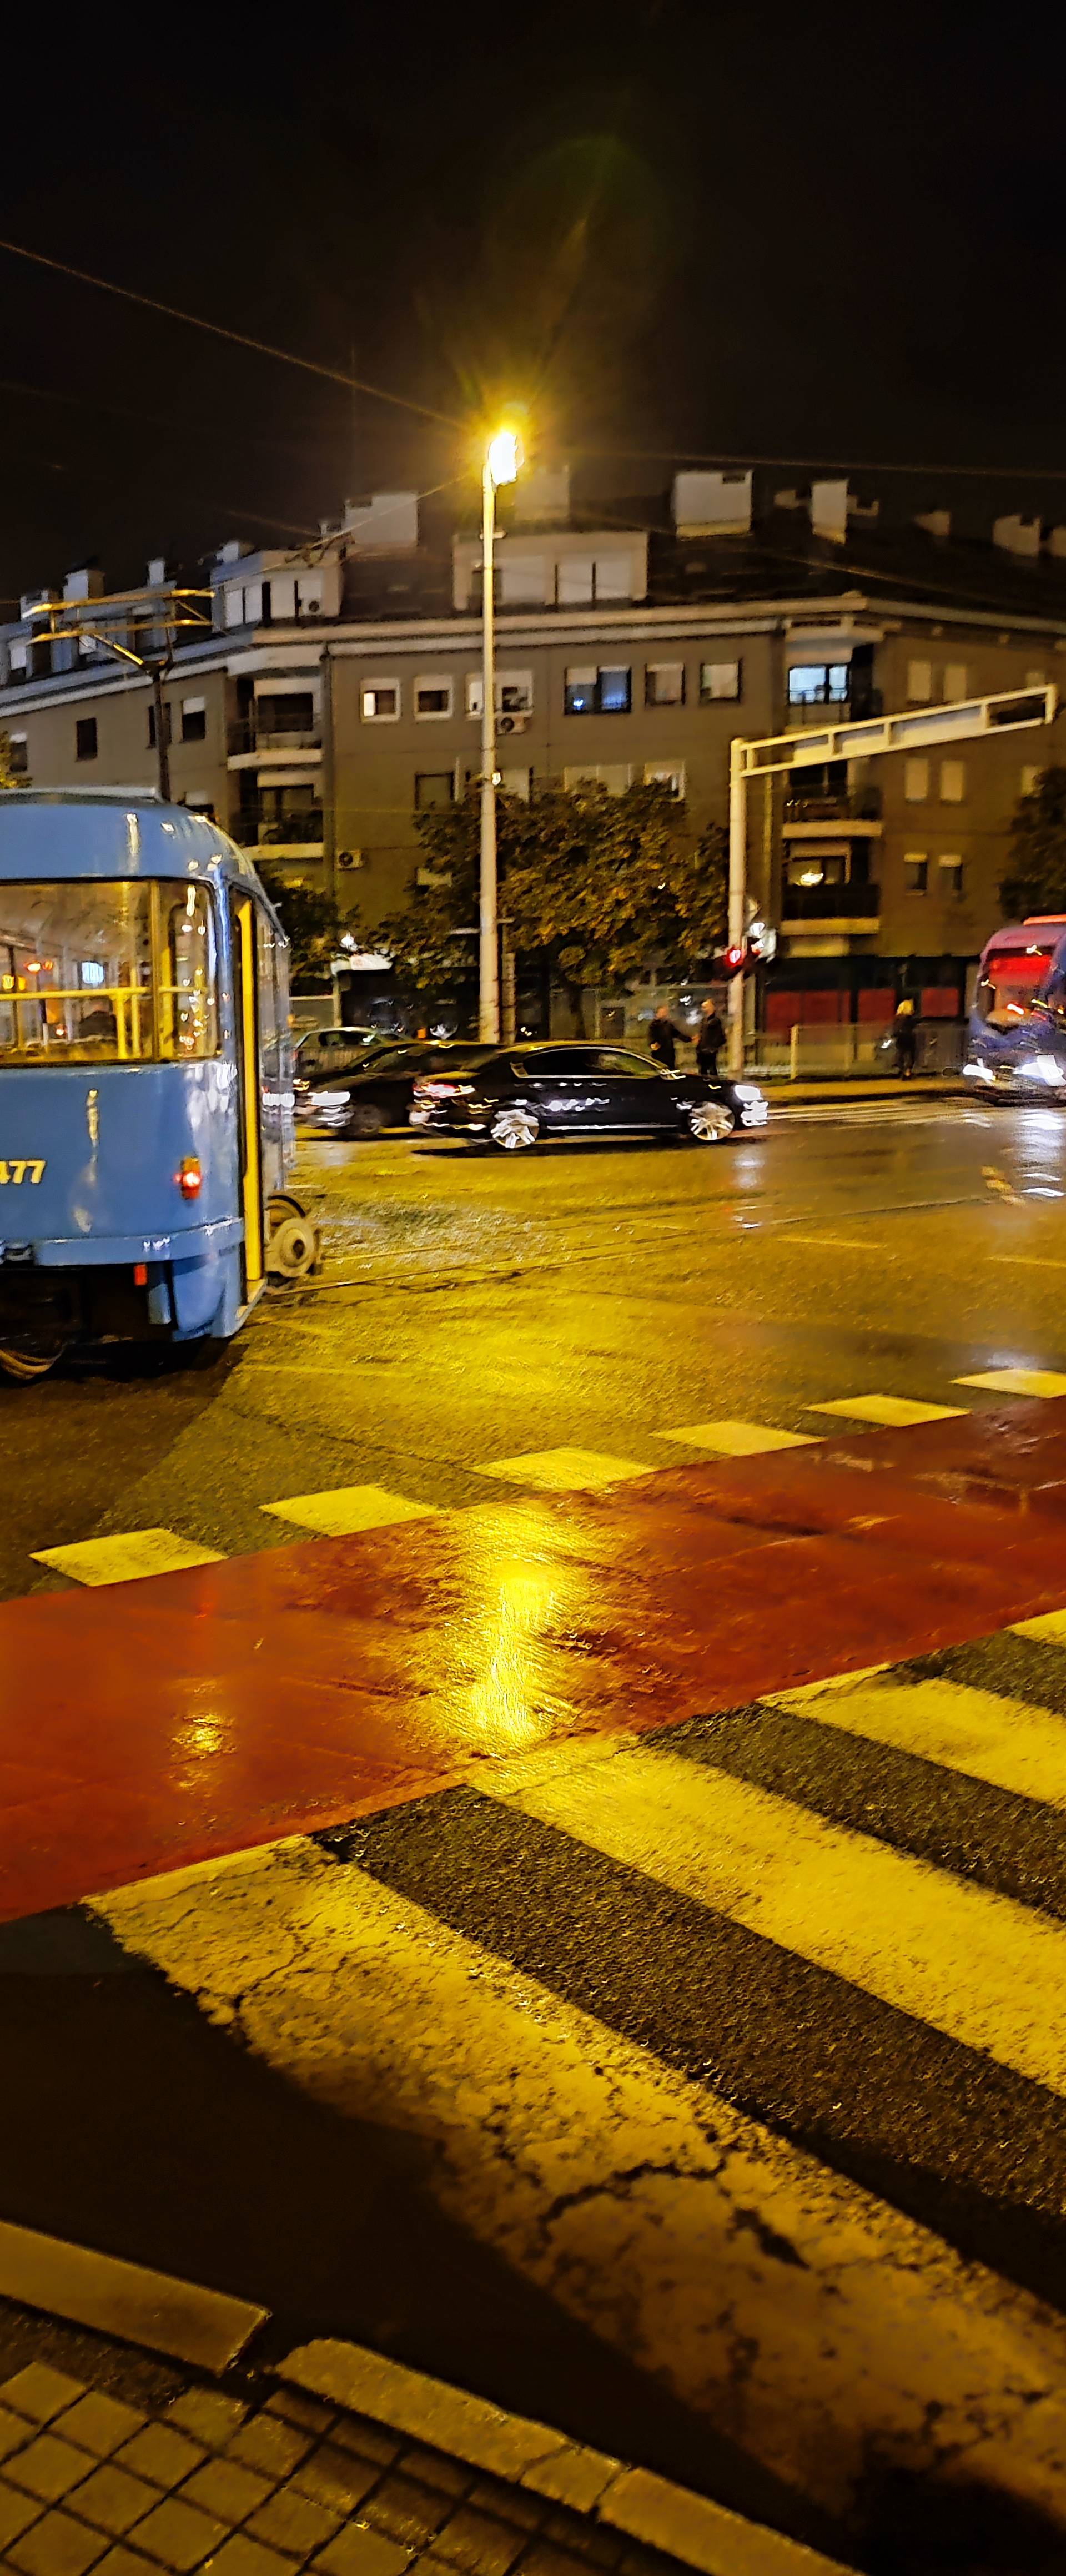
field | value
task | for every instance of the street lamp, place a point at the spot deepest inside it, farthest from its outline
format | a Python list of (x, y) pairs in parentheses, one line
[(503, 457)]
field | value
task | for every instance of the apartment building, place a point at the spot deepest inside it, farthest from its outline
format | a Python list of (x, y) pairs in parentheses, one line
[(337, 695)]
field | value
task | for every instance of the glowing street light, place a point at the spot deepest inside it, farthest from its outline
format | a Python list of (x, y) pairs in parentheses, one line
[(503, 456)]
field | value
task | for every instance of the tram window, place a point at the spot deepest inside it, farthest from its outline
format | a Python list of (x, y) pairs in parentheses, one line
[(188, 1015), (75, 973), (1009, 983)]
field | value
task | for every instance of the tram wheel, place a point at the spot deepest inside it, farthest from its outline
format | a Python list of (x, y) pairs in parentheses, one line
[(30, 1358)]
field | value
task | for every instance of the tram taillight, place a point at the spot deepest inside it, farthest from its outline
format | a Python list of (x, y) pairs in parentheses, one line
[(190, 1177)]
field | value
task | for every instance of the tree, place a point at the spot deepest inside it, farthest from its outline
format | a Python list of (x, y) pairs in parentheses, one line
[(597, 886), (309, 918), (10, 776), (1035, 880)]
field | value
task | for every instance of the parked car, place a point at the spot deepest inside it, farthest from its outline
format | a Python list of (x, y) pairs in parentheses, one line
[(325, 1056), (377, 1093), (519, 1096)]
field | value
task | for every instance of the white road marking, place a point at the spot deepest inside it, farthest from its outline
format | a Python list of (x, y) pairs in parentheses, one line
[(343, 1509), (562, 1471), (126, 1557), (1017, 1381), (1007, 1742), (892, 1412), (742, 1439)]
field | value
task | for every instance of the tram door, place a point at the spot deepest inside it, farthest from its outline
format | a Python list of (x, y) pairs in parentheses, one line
[(246, 1035)]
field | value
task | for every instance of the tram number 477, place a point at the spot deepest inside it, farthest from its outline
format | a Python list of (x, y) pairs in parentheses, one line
[(11, 1174)]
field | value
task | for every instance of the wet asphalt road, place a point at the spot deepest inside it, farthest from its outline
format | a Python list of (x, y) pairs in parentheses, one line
[(473, 1309)]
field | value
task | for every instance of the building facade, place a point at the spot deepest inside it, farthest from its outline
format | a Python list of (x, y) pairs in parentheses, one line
[(337, 695)]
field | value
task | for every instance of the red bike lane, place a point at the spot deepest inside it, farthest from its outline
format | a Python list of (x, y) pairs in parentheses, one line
[(148, 1724)]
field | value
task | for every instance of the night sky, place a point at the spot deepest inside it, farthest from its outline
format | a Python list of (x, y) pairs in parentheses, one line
[(767, 232)]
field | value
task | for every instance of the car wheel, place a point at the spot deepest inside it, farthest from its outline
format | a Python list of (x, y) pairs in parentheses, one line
[(711, 1121), (513, 1130), (366, 1121)]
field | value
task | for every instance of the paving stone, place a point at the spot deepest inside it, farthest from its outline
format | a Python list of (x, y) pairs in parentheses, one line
[(56, 2546), (480, 2542), (40, 2392), (15, 2432), (179, 2534), (407, 2511), (243, 2557), (115, 2499), (337, 2479), (435, 2470), (49, 2467), (357, 2433), (227, 2488), (209, 2418), (297, 2409), (604, 2548), (360, 2552), (544, 2559), (271, 2445), (100, 2423), (291, 2522), (17, 2511), (162, 2455), (126, 2562), (493, 2495)]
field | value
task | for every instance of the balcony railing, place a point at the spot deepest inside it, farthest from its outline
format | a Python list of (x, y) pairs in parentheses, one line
[(831, 903), (861, 805), (247, 735), (259, 831), (823, 711)]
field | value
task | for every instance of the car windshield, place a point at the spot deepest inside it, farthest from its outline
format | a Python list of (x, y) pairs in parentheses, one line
[(95, 972)]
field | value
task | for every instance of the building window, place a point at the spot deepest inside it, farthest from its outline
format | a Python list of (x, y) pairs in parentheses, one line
[(919, 683), (380, 701), (18, 759), (956, 677), (434, 787), (517, 782), (818, 684), (582, 579), (915, 781), (916, 872), (194, 720), (1031, 776), (951, 875), (614, 775), (597, 691), (85, 738), (719, 680), (952, 782), (523, 580), (433, 698), (514, 693), (664, 684), (18, 659), (671, 774), (151, 724)]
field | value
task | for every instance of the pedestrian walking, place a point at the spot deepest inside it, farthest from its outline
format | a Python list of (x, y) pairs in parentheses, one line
[(905, 1034), (710, 1039), (663, 1036)]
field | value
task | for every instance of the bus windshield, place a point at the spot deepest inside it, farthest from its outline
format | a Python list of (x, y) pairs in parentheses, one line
[(1010, 981), (95, 972)]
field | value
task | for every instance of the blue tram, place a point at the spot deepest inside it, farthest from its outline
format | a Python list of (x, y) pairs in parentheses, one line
[(1018, 1015), (145, 1078)]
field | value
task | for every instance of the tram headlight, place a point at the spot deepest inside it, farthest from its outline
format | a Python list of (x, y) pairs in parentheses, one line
[(1043, 1068)]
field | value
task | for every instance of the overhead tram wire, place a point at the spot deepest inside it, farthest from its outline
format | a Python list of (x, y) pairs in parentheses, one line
[(221, 331)]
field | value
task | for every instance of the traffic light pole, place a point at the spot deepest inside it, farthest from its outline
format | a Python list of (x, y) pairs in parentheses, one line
[(965, 720)]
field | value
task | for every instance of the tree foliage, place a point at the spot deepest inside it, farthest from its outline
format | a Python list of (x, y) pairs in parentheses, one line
[(1035, 879), (594, 885), (309, 918)]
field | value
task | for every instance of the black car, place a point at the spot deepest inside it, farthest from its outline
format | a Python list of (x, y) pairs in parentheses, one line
[(377, 1093), (518, 1096)]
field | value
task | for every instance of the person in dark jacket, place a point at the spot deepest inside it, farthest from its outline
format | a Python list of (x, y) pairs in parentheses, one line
[(663, 1036), (710, 1039), (905, 1033)]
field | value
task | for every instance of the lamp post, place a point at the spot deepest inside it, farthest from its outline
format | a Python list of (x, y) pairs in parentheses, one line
[(502, 460)]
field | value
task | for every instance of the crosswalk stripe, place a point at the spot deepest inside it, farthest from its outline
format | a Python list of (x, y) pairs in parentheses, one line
[(742, 1439), (982, 1969), (562, 1471), (891, 1412), (1017, 1381), (1048, 1628), (644, 2205), (126, 1556), (1005, 1741), (340, 1511)]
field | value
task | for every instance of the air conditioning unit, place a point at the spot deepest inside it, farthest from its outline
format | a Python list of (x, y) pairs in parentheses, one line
[(310, 608), (349, 858), (511, 724)]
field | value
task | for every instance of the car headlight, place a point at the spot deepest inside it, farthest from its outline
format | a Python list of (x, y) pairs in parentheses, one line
[(330, 1099), (748, 1091), (1043, 1068)]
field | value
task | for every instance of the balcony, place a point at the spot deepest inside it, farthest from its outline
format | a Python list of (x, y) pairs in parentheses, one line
[(853, 907), (297, 835), (856, 814), (862, 702), (247, 740)]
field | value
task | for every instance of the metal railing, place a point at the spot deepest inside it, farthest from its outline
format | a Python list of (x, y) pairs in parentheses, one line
[(830, 903), (258, 831), (859, 805), (249, 735)]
